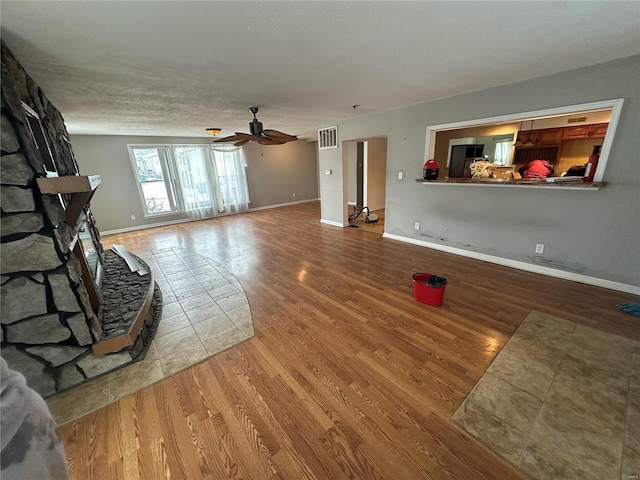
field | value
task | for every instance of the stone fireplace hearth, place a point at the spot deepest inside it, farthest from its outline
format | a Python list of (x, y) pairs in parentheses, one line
[(68, 310)]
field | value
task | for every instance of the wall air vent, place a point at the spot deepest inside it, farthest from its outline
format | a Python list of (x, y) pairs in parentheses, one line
[(328, 138), (577, 120)]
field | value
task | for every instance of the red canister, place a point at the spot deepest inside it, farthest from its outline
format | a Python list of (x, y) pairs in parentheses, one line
[(431, 169)]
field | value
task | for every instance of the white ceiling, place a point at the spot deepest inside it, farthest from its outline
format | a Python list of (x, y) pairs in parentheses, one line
[(175, 68)]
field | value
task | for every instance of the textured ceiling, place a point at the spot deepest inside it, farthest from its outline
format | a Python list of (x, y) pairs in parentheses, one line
[(175, 68)]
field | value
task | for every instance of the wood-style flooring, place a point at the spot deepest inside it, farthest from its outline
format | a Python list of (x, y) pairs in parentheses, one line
[(347, 376)]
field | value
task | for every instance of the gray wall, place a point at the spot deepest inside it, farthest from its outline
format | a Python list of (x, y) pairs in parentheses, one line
[(593, 233), (281, 173), (376, 173), (274, 174)]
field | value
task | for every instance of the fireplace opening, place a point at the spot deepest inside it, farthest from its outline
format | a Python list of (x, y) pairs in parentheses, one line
[(91, 247)]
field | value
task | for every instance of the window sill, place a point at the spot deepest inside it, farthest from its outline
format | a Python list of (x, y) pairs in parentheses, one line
[(165, 214), (520, 183)]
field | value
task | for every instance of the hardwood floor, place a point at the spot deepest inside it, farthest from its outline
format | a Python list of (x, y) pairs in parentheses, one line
[(347, 377)]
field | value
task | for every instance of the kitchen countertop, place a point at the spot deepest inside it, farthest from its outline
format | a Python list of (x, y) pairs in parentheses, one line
[(504, 182)]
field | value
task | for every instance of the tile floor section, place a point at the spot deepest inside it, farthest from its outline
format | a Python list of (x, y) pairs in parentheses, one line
[(205, 311), (560, 401)]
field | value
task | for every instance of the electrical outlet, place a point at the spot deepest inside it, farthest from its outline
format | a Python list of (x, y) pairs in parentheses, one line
[(294, 195), (133, 217), (400, 175), (417, 226), (539, 248)]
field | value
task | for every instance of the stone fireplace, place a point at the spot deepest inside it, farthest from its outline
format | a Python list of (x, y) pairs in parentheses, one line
[(58, 285)]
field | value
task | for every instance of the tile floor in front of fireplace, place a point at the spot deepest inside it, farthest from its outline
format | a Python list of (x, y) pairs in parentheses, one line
[(205, 311)]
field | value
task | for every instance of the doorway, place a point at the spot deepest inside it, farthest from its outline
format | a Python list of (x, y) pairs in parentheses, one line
[(365, 162)]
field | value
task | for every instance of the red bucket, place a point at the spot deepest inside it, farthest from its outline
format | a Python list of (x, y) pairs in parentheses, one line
[(425, 293)]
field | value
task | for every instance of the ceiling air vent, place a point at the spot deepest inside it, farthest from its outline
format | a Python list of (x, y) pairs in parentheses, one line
[(328, 137), (577, 120)]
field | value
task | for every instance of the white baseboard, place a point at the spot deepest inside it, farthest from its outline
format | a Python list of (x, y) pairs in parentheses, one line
[(551, 272), (330, 222), (144, 227), (183, 220), (283, 204)]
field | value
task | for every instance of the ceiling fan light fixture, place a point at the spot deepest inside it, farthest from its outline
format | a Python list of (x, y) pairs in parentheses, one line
[(213, 131)]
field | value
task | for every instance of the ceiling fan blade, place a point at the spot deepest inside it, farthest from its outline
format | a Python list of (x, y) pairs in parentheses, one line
[(232, 138), (275, 134), (238, 136), (241, 142), (270, 141), (280, 141)]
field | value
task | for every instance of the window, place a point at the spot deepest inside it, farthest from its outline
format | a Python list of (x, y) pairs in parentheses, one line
[(226, 165), (230, 165), (194, 172), (201, 180), (502, 152), (151, 167)]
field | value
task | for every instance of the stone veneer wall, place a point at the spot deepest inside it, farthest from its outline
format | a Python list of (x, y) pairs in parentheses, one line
[(46, 318)]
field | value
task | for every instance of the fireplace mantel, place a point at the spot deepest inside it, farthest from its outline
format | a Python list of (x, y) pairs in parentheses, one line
[(80, 187)]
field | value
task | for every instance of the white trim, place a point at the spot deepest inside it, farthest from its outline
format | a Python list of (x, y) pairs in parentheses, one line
[(332, 223), (277, 205), (551, 272), (550, 186), (184, 220), (365, 173), (614, 104), (144, 227)]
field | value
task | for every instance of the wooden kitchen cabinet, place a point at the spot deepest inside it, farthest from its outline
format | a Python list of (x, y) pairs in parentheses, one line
[(576, 133), (547, 136), (597, 130)]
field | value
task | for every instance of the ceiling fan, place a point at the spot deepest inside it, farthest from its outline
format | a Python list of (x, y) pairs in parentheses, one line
[(263, 137)]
